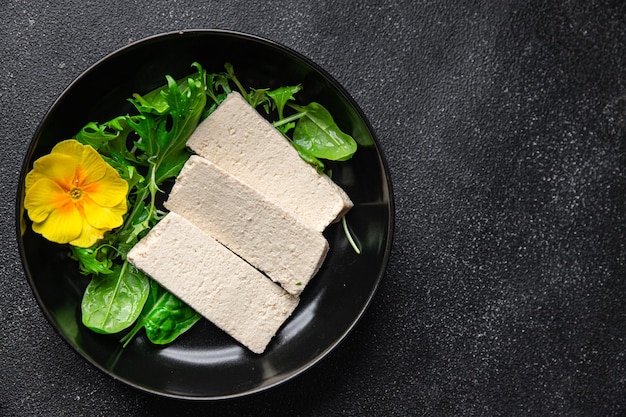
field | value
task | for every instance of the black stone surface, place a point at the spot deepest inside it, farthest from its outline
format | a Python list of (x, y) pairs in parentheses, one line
[(504, 125)]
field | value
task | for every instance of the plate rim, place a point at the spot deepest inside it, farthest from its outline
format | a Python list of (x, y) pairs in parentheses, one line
[(387, 183)]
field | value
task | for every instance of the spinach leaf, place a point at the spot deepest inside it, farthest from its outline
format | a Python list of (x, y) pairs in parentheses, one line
[(318, 135), (112, 302), (309, 158), (164, 317)]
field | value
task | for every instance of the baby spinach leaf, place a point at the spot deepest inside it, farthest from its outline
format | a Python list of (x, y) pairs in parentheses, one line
[(318, 135), (164, 317), (309, 158), (112, 302), (169, 321)]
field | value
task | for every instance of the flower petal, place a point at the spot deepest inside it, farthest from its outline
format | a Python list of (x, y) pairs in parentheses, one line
[(43, 197), (57, 167), (103, 217), (88, 236), (70, 147), (92, 167), (62, 225), (109, 191)]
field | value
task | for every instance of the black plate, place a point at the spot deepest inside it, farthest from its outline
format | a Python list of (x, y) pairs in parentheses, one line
[(205, 363)]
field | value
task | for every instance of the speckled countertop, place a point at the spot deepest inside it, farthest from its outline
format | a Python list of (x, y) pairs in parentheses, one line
[(504, 127)]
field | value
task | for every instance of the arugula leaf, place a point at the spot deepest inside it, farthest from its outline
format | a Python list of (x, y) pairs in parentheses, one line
[(122, 162), (164, 317), (137, 223), (217, 89), (281, 96), (230, 75), (92, 260), (258, 97), (165, 145), (112, 302), (162, 142), (110, 135)]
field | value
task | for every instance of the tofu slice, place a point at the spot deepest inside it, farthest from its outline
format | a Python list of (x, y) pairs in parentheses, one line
[(214, 281), (239, 140), (247, 223)]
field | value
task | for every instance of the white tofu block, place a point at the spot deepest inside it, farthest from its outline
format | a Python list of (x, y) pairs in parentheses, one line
[(239, 140), (247, 223), (213, 281)]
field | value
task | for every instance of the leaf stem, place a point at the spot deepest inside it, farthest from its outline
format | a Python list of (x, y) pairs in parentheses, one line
[(115, 292), (136, 207), (231, 74), (344, 224), (130, 335), (289, 119)]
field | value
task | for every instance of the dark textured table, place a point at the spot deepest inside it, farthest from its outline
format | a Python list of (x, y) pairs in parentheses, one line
[(504, 126)]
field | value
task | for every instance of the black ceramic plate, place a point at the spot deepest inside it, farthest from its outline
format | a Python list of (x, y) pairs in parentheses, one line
[(205, 363)]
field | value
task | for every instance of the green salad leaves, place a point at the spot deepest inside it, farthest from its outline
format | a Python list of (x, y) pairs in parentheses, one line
[(148, 149)]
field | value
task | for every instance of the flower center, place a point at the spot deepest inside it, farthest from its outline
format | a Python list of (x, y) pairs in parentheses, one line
[(76, 193)]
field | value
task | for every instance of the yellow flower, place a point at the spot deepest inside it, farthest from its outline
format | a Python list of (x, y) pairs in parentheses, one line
[(73, 196)]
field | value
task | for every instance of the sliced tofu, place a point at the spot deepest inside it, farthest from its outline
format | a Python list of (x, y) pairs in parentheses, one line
[(247, 223), (239, 140), (214, 281)]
